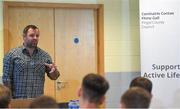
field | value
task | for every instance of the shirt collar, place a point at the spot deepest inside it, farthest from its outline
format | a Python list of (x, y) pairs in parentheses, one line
[(24, 49)]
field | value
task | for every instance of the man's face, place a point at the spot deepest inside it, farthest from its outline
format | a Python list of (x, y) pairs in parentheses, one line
[(31, 38)]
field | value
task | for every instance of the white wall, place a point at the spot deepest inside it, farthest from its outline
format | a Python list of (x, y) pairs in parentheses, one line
[(121, 35)]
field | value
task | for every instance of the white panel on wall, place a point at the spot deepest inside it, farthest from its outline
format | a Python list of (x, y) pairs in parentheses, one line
[(160, 50)]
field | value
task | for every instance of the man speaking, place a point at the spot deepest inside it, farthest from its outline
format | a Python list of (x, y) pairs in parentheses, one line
[(25, 66)]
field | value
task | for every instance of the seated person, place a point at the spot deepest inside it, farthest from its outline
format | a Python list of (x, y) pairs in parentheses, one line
[(44, 102), (92, 91), (135, 97), (5, 97), (142, 82)]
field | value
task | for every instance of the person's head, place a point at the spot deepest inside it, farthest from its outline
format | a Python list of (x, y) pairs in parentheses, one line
[(142, 82), (5, 96), (43, 102), (135, 97), (93, 89), (31, 36)]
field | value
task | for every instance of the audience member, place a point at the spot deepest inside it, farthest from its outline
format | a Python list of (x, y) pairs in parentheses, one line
[(44, 102), (92, 91), (142, 82), (5, 96), (135, 97)]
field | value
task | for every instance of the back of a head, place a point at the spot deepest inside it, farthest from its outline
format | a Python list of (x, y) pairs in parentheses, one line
[(136, 97), (142, 82), (5, 96), (94, 87), (44, 102)]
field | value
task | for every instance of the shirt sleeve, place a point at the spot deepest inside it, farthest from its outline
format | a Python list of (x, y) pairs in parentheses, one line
[(7, 70), (49, 61)]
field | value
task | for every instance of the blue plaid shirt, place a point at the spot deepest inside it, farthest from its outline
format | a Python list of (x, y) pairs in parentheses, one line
[(25, 74)]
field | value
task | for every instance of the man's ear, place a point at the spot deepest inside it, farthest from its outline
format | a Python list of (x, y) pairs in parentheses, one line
[(102, 100), (79, 92), (23, 37)]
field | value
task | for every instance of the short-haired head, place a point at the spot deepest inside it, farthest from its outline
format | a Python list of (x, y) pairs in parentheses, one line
[(135, 97), (25, 31), (142, 82), (44, 102), (94, 87)]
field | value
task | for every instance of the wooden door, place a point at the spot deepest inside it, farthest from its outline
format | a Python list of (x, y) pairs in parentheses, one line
[(18, 18), (75, 49)]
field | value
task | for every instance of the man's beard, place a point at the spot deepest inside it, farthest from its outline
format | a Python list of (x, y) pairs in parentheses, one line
[(31, 45)]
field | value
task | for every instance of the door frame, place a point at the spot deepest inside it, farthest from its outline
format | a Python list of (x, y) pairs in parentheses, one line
[(99, 8)]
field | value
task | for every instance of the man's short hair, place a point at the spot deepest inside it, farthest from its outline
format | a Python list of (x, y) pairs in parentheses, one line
[(142, 82), (27, 28), (44, 102), (136, 97), (5, 96), (94, 87)]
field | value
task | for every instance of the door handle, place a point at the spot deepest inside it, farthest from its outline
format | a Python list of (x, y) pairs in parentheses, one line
[(61, 85)]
